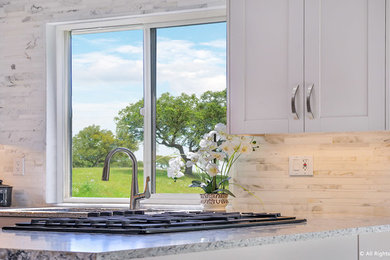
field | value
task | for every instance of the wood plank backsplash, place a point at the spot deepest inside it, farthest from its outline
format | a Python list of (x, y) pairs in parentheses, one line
[(351, 174)]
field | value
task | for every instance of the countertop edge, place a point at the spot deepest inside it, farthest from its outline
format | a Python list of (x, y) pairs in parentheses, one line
[(229, 244), (14, 253), (189, 247)]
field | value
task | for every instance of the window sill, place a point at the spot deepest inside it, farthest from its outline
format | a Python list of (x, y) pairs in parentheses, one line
[(161, 201), (164, 207)]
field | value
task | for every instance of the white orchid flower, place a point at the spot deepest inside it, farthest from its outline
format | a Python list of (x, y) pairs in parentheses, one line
[(210, 156), (245, 148), (205, 157), (176, 162), (194, 157), (227, 147), (174, 169), (179, 174), (204, 143), (218, 155), (173, 173), (222, 136), (246, 139), (212, 136), (236, 143), (207, 145), (212, 169), (229, 137), (189, 164), (220, 128)]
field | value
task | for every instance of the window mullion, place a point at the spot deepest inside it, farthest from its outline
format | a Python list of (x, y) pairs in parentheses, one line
[(149, 106), (153, 64)]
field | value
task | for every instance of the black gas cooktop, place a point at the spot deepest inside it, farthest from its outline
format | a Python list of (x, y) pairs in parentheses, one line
[(137, 222)]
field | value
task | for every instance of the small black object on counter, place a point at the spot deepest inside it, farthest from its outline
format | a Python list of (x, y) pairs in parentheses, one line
[(5, 195)]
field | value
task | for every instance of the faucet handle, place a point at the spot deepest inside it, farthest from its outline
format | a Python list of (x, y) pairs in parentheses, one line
[(147, 189)]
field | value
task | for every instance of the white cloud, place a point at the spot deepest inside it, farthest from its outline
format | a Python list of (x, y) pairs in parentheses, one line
[(215, 44), (86, 114), (187, 68), (129, 49), (95, 41), (182, 65), (98, 68)]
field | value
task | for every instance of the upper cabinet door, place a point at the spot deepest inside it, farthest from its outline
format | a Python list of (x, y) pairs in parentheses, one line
[(265, 66), (345, 65)]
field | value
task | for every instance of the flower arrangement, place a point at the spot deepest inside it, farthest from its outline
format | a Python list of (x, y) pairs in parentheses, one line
[(217, 153)]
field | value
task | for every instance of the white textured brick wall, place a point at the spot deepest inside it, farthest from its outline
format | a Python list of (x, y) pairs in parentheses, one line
[(22, 76)]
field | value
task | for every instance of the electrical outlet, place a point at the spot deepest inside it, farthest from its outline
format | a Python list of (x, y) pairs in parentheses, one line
[(301, 166), (19, 166)]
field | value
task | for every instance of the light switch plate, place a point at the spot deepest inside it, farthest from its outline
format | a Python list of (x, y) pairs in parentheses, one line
[(301, 165)]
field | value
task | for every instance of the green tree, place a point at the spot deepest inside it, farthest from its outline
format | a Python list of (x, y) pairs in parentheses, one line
[(130, 129), (91, 145), (181, 120)]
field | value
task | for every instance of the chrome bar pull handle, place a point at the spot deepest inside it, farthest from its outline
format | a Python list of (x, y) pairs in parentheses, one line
[(308, 101), (293, 107)]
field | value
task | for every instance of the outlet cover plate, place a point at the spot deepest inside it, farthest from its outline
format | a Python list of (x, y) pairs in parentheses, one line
[(301, 165), (19, 166)]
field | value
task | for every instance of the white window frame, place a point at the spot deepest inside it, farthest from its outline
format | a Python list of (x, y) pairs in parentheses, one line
[(58, 103)]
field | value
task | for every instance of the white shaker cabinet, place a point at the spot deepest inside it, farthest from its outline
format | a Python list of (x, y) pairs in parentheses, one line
[(374, 246), (265, 45), (345, 64), (306, 66)]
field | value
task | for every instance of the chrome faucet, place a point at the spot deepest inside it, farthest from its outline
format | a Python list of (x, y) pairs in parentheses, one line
[(135, 197)]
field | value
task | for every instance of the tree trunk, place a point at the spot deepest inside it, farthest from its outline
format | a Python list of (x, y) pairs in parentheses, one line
[(188, 172)]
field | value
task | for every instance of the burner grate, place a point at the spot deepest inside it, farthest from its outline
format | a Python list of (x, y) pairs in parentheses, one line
[(136, 222)]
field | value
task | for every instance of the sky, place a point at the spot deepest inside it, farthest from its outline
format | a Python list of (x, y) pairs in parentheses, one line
[(107, 69)]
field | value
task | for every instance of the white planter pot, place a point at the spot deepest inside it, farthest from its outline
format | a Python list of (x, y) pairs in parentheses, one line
[(214, 201)]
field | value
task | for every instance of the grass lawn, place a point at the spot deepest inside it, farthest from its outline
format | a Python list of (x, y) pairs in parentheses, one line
[(87, 182)]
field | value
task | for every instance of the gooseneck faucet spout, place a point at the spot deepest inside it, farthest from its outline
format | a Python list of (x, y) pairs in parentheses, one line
[(135, 197)]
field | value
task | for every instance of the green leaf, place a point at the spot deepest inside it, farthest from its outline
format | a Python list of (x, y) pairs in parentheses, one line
[(225, 191), (208, 188), (224, 180), (196, 184)]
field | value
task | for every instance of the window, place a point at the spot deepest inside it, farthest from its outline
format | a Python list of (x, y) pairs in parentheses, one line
[(147, 87), (107, 76), (191, 78)]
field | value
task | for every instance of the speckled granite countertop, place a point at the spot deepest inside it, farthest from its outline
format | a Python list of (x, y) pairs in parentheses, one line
[(39, 245)]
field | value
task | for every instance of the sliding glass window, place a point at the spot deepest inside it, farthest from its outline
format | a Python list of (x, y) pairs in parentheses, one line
[(180, 73)]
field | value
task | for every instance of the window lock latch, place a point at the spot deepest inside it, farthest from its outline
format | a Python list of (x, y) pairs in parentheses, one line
[(142, 111)]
